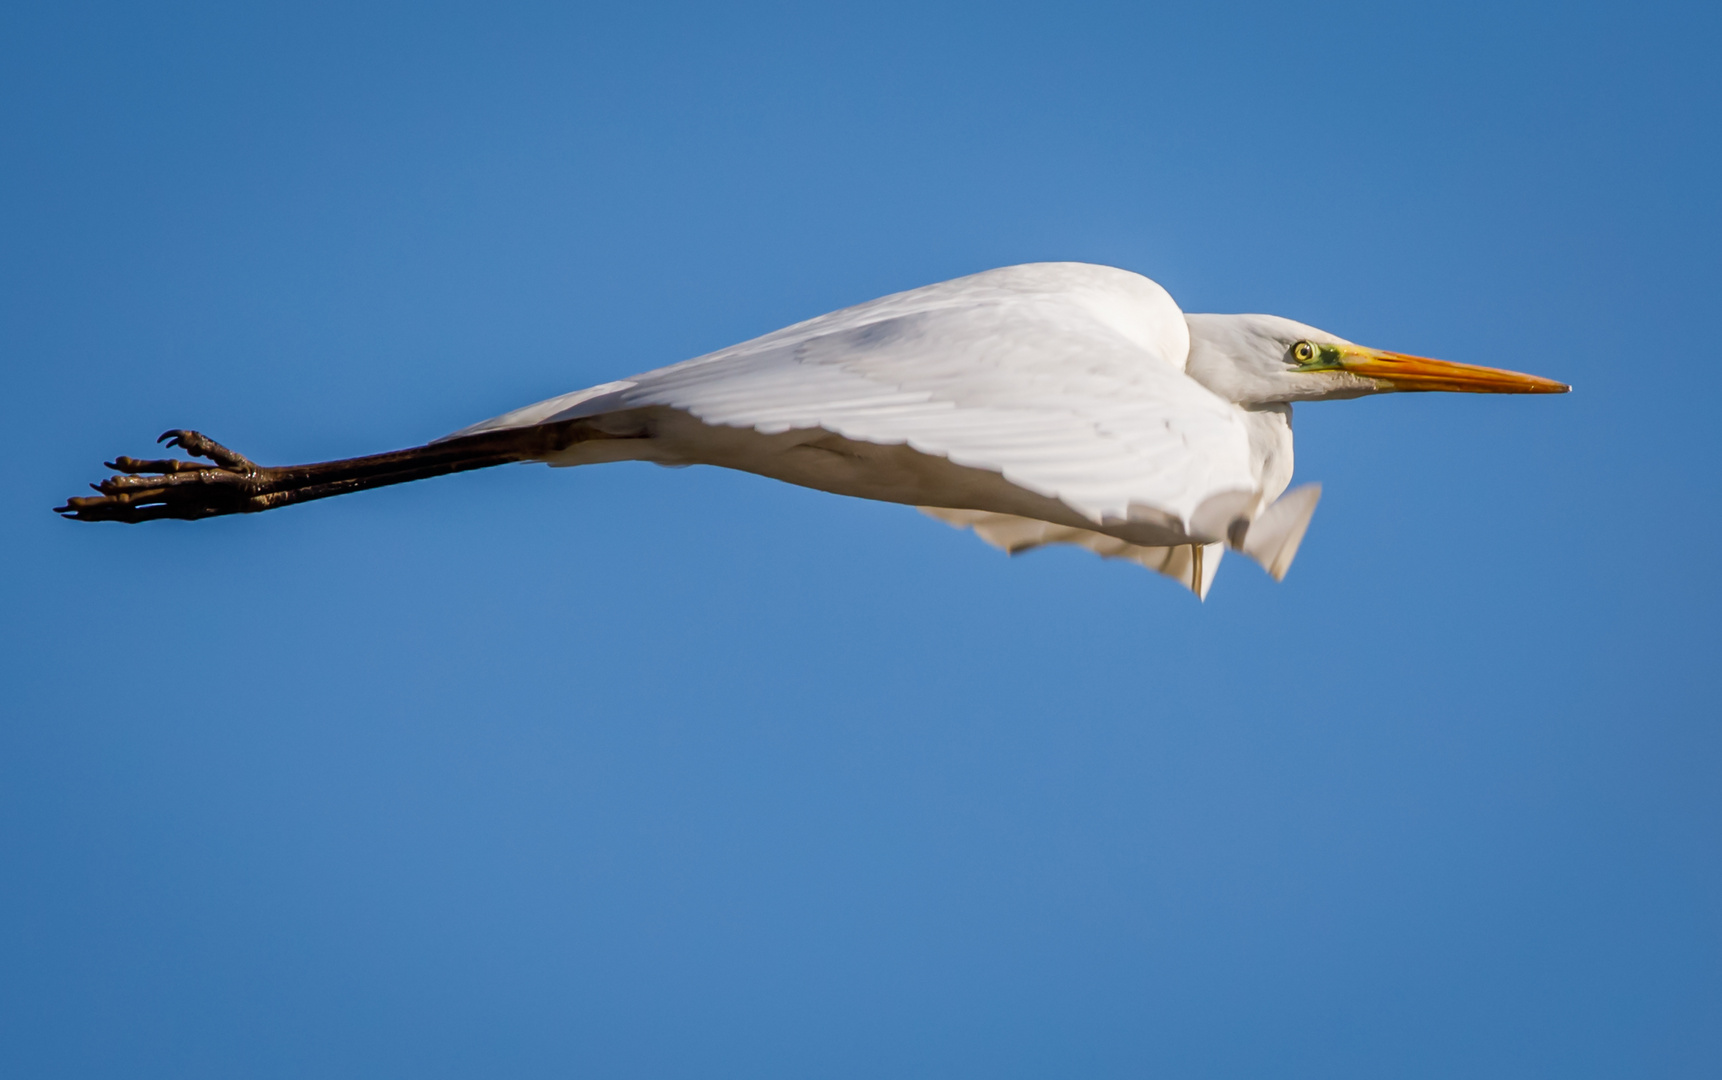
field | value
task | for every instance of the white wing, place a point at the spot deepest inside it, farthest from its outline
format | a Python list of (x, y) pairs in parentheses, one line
[(1067, 379)]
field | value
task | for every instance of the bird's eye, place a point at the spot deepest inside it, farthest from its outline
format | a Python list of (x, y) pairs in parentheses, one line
[(1303, 352)]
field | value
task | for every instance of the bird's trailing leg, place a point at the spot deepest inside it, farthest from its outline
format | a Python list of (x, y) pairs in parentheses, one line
[(150, 489)]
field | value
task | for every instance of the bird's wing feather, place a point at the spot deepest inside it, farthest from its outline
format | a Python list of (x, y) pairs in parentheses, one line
[(1066, 378), (1014, 535)]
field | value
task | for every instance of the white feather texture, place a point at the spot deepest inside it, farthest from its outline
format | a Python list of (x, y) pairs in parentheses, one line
[(1064, 380)]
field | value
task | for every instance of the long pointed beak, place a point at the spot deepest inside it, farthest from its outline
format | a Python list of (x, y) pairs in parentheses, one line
[(1402, 372)]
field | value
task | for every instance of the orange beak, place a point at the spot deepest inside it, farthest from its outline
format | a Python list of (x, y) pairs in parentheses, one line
[(1402, 372)]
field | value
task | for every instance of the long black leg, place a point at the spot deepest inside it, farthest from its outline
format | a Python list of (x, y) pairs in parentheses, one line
[(151, 489)]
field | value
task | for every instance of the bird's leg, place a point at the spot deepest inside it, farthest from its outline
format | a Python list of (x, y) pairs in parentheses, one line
[(149, 489)]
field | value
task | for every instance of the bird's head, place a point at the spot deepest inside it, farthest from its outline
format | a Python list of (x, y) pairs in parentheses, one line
[(1263, 359)]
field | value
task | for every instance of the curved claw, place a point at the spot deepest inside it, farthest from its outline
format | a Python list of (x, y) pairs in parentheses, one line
[(200, 445), (150, 489)]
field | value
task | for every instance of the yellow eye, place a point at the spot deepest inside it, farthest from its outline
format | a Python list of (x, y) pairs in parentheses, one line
[(1303, 352)]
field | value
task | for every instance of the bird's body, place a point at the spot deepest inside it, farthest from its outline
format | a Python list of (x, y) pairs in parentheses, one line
[(1044, 403)]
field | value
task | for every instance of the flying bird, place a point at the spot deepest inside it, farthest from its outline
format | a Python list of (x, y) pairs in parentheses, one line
[(1039, 404)]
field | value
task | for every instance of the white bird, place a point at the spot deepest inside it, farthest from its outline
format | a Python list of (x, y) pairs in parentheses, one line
[(1038, 404)]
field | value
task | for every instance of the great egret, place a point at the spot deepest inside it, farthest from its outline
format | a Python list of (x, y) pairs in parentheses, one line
[(1038, 404)]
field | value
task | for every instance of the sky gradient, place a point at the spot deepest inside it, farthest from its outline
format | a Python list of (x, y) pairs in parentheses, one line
[(626, 771)]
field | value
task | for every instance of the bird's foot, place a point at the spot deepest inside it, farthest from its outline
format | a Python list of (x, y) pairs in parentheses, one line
[(148, 489), (200, 445), (154, 488)]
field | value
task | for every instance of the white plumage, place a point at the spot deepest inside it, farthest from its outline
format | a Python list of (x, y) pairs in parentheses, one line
[(1037, 404), (1041, 404)]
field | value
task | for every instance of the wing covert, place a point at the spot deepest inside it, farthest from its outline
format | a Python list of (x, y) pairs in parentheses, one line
[(1066, 378)]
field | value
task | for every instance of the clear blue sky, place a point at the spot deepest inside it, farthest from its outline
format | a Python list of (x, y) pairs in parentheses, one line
[(636, 772)]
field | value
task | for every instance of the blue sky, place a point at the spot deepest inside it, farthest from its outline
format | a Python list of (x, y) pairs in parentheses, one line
[(636, 772)]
